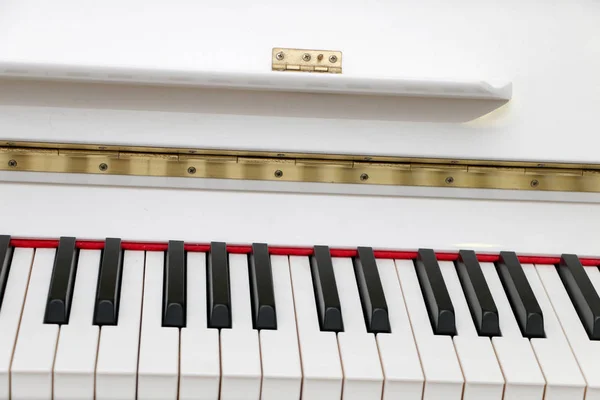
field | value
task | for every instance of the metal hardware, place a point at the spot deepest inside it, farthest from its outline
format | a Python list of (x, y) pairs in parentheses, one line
[(302, 60), (297, 167)]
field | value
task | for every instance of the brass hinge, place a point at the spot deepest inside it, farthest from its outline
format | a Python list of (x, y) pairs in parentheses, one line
[(307, 60)]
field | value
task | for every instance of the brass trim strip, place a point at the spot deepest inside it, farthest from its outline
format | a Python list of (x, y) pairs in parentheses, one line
[(296, 167)]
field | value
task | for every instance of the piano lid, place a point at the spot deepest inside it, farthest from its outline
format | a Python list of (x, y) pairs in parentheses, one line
[(423, 48)]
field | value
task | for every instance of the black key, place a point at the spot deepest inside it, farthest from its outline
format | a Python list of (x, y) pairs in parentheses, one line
[(326, 294), (5, 260), (522, 300), (371, 292), (435, 293), (261, 288), (582, 293), (218, 291), (106, 309), (480, 300), (174, 284), (58, 306)]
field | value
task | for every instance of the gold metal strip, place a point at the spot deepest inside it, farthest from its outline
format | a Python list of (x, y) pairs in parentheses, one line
[(297, 167)]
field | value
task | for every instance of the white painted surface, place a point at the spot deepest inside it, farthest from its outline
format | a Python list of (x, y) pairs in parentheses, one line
[(160, 215), (549, 52)]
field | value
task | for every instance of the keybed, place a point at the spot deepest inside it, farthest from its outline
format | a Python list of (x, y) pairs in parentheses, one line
[(126, 324)]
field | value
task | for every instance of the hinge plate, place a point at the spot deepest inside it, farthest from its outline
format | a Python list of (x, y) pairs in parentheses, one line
[(302, 60)]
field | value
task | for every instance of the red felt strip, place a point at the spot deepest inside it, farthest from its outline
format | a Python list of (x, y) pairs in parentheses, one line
[(286, 251)]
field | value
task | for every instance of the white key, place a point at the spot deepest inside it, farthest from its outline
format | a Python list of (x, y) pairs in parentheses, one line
[(321, 366), (563, 377), (240, 354), (398, 352), (443, 376), (31, 370), (75, 362), (586, 352), (200, 365), (363, 377), (10, 313), (282, 373), (116, 370), (483, 377), (158, 370), (522, 374)]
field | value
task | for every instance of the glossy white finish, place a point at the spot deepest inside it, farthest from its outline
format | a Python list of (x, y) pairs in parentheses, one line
[(483, 376), (443, 375), (549, 69), (322, 375), (586, 352), (31, 370), (363, 375), (75, 363), (199, 357), (563, 376), (523, 378), (280, 354), (398, 352), (116, 370), (386, 221), (10, 313), (240, 349), (158, 368)]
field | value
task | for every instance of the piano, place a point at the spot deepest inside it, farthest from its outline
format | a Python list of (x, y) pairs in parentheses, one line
[(339, 200)]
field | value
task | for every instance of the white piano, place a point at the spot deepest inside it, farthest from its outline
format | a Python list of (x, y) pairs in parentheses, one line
[(310, 200)]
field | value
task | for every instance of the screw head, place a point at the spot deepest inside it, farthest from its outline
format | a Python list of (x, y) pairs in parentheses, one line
[(364, 177), (101, 147), (191, 170), (535, 183), (278, 173), (12, 163), (332, 58), (306, 57), (103, 167), (320, 57), (449, 180), (279, 56)]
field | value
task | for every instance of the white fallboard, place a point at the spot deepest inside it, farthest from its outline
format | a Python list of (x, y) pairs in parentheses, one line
[(290, 219), (548, 53)]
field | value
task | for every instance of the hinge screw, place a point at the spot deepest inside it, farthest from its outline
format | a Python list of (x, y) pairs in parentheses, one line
[(103, 167), (278, 173), (449, 180), (535, 183), (364, 177), (191, 170), (279, 56), (306, 57), (333, 59), (12, 163)]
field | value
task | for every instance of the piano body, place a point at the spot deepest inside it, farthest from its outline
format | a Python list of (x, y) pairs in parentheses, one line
[(310, 200)]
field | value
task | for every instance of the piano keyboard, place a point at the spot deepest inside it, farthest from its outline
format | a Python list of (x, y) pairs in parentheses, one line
[(112, 323)]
